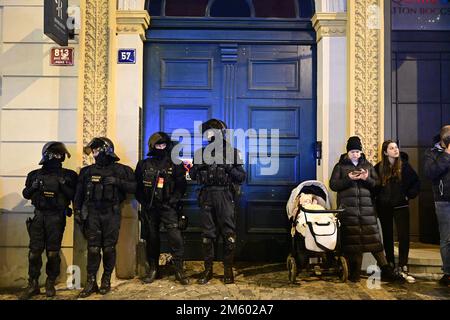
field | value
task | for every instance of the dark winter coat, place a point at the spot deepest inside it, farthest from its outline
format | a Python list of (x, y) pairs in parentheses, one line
[(359, 226), (397, 193), (437, 168)]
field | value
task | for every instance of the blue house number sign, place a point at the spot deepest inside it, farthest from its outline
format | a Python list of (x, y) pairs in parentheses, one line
[(127, 56)]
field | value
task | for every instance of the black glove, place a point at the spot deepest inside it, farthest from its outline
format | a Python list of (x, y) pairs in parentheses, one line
[(61, 181), (35, 184), (111, 180), (77, 218)]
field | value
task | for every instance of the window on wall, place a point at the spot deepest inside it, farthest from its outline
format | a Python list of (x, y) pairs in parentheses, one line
[(275, 8), (184, 8), (154, 7), (287, 9), (306, 8), (230, 8)]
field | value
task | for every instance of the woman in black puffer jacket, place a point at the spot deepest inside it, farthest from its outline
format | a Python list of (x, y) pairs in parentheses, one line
[(354, 178), (398, 183)]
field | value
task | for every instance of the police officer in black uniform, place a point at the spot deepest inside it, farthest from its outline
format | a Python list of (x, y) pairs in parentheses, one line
[(219, 172), (101, 188), (50, 189), (160, 186)]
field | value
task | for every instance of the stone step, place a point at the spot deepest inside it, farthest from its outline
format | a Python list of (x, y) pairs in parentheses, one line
[(424, 260)]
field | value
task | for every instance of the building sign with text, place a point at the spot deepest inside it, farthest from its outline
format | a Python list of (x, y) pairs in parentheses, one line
[(55, 21), (420, 14), (61, 56)]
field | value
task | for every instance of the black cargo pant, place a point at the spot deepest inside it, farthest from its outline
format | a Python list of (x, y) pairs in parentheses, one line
[(151, 221), (46, 232), (102, 231), (387, 217), (217, 217)]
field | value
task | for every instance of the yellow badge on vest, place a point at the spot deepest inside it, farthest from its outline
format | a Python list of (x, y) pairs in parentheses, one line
[(160, 184)]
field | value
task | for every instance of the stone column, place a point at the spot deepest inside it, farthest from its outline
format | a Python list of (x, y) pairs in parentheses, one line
[(366, 73), (366, 79), (330, 25), (132, 22)]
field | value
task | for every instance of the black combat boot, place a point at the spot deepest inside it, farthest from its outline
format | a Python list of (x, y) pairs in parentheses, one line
[(90, 288), (152, 271), (228, 276), (207, 274), (50, 290), (179, 272), (31, 290), (105, 285)]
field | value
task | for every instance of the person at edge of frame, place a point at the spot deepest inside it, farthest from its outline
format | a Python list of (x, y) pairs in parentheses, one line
[(437, 169)]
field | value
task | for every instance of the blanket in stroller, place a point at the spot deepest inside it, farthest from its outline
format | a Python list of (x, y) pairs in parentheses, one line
[(318, 229)]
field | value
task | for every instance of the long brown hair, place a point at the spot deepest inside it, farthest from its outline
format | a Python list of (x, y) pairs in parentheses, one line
[(386, 170)]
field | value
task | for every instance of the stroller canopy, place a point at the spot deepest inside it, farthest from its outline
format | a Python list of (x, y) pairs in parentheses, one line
[(314, 187)]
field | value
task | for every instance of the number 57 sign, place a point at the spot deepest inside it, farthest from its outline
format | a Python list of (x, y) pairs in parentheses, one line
[(126, 56)]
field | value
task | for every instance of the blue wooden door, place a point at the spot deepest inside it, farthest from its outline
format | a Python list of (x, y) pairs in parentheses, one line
[(249, 87)]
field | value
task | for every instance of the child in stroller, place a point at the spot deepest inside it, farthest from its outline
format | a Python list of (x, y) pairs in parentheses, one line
[(314, 232)]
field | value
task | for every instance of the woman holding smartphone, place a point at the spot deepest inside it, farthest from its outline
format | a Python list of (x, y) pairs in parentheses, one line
[(398, 183), (354, 178)]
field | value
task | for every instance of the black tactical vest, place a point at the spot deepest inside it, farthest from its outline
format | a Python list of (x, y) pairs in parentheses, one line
[(49, 195), (214, 175), (96, 190), (159, 181)]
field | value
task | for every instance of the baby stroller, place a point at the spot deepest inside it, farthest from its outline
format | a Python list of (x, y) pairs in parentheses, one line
[(315, 230)]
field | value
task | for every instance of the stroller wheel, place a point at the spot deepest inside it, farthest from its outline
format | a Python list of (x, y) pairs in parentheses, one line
[(292, 268), (342, 268)]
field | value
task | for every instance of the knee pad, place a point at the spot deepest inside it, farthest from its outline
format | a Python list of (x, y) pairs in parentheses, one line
[(109, 250), (94, 250), (230, 238), (52, 254), (207, 241), (230, 241), (171, 226), (35, 254)]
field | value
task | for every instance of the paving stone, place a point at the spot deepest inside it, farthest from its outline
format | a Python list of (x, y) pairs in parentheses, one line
[(255, 282)]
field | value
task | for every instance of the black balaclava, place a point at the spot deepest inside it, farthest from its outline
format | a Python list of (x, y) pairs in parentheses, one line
[(160, 153), (102, 159), (53, 164)]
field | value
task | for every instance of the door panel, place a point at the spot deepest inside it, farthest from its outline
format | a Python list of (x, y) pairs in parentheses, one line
[(249, 87), (420, 106)]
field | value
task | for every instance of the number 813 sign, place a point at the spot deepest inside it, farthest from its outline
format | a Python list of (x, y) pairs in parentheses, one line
[(61, 56), (126, 56)]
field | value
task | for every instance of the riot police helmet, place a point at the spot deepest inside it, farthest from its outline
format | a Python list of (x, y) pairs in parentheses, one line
[(54, 150), (104, 145), (214, 124)]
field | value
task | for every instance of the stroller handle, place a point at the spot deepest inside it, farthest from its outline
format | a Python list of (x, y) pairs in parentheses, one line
[(321, 211)]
